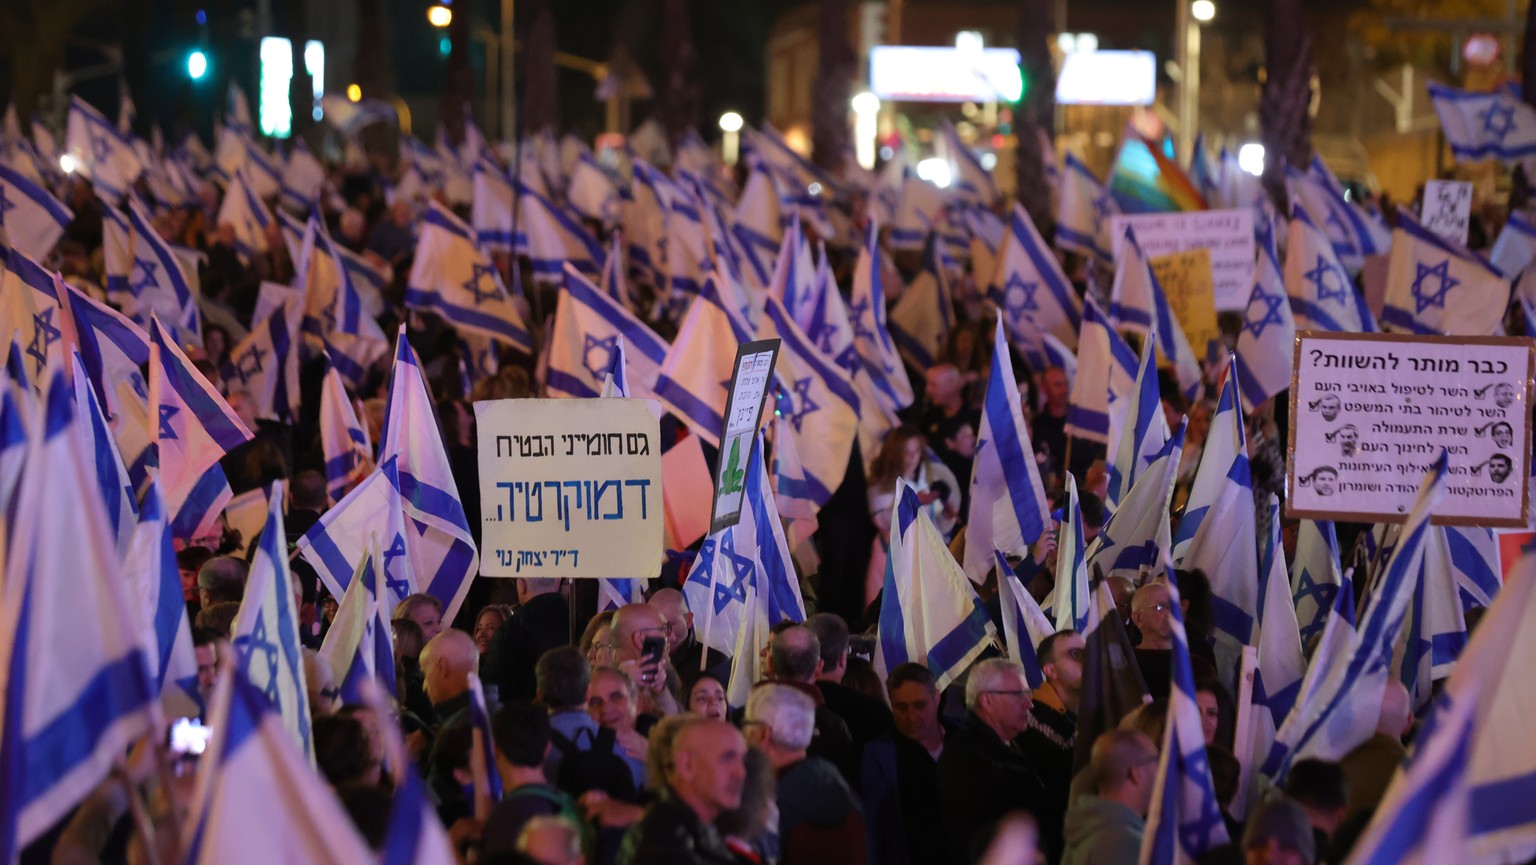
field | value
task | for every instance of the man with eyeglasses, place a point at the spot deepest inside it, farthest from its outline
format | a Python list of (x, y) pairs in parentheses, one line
[(1151, 612), (983, 775), (1051, 737), (1105, 826), (632, 624)]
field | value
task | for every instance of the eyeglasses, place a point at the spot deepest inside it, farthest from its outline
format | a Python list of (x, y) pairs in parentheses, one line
[(1159, 608), (1014, 693), (1076, 654)]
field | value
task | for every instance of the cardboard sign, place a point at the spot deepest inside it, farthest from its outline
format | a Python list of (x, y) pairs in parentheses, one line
[(750, 376), (1187, 281), (1370, 413), (570, 488), (1448, 209), (1228, 234)]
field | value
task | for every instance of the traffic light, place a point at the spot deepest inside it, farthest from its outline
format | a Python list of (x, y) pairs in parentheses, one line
[(197, 65)]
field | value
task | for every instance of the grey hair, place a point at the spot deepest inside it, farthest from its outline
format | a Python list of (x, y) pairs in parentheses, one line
[(789, 713), (987, 676)]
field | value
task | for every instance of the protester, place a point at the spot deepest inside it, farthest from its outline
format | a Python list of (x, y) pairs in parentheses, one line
[(866, 717), (1105, 825), (1050, 739), (521, 731), (541, 623), (704, 781), (900, 774)]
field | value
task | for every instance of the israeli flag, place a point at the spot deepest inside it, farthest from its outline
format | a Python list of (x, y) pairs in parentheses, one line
[(32, 218), (972, 182), (697, 371), (343, 438), (872, 338), (337, 545), (794, 281), (1482, 125), (113, 351), (1087, 209), (77, 689), (266, 363), (1353, 233), (749, 558), (1106, 374), (1185, 817), (1341, 692), (1030, 287), (592, 193), (1435, 630), (266, 630), (455, 279), (555, 236), (929, 613), (117, 491), (1137, 304), (924, 314), (1008, 510), (1265, 345), (480, 722), (1318, 579), (1438, 287), (1322, 295), (1145, 432), (359, 645), (144, 276), (334, 309), (644, 223), (247, 215), (103, 153), (492, 214), (1074, 605), (790, 489), (1475, 564), (196, 427), (819, 401), (758, 226), (1515, 249), (612, 280), (1216, 534), (1277, 682), (303, 178), (30, 315), (149, 568), (440, 545), (584, 339), (253, 779), (920, 207), (1024, 625), (13, 450), (1137, 536)]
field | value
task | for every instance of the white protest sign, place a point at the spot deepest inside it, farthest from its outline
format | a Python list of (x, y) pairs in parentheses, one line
[(570, 488), (1228, 234), (1448, 209), (1369, 414), (743, 416)]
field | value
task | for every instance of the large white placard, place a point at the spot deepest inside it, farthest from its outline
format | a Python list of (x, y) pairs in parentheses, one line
[(570, 488), (1228, 234), (1370, 413)]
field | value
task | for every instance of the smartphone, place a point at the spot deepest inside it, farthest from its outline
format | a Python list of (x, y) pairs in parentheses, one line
[(651, 651), (188, 737)]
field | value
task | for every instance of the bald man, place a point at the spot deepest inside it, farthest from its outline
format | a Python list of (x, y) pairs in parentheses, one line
[(703, 780), (1106, 827), (446, 663), (1371, 765), (683, 645), (632, 624)]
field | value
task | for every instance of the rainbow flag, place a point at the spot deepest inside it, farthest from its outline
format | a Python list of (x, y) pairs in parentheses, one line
[(1145, 180)]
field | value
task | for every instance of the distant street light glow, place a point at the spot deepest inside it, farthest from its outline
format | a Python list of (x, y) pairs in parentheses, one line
[(730, 121), (354, 92), (68, 164), (730, 140), (1202, 10), (866, 117), (935, 170), (197, 65), (1250, 158), (439, 16)]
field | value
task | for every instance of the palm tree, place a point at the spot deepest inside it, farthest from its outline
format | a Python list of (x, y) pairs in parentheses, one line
[(679, 95), (1035, 116), (829, 99), (1285, 104)]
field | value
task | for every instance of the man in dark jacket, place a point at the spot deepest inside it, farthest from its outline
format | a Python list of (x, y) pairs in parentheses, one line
[(703, 780), (1050, 740), (900, 773), (795, 657), (982, 774), (542, 622), (865, 716)]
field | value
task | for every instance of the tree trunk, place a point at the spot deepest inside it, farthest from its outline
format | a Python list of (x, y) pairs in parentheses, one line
[(540, 94), (1034, 119), (829, 97), (679, 96), (1284, 106), (368, 62), (294, 24), (1528, 57)]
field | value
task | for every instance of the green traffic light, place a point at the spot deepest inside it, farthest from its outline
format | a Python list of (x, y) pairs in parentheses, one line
[(197, 65)]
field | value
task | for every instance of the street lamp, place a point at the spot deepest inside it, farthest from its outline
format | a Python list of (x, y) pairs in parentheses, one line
[(197, 65), (439, 16), (866, 116), (1191, 14), (1203, 10), (730, 140)]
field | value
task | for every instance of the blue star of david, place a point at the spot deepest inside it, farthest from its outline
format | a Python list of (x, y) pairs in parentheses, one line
[(44, 334), (848, 360), (1268, 315), (802, 391), (257, 641), (1499, 120), (1326, 289), (167, 412), (136, 381), (823, 338), (1335, 225), (1101, 207), (1195, 830), (1324, 594), (101, 147), (1019, 296), (741, 574), (329, 315), (856, 312), (482, 274), (142, 276), (597, 354), (1423, 298), (400, 588), (248, 364)]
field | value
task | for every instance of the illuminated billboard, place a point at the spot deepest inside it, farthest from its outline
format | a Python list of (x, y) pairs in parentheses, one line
[(908, 73)]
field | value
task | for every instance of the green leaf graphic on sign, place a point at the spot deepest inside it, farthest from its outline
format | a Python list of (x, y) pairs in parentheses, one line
[(732, 476)]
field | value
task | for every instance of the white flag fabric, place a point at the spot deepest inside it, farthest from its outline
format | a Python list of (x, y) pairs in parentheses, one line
[(920, 205), (453, 277), (343, 438), (819, 401), (333, 305), (1144, 433), (693, 379), (1024, 625), (1435, 629), (1008, 510), (113, 349), (30, 317), (1438, 287), (247, 215), (1137, 304), (1106, 373), (359, 645), (32, 218), (337, 545), (794, 276), (925, 313), (1265, 345), (253, 779), (492, 212), (555, 236), (972, 182), (440, 544), (871, 335), (1321, 293), (111, 476), (929, 613), (758, 226), (1074, 606), (266, 362), (77, 689), (592, 193), (102, 152), (1318, 578), (645, 226), (1030, 287), (1137, 536), (303, 178), (266, 630), (196, 427), (149, 569), (1482, 125), (1277, 681), (144, 275), (584, 339), (1083, 222)]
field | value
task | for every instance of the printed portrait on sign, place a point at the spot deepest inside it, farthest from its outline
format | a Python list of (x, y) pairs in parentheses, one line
[(1347, 437), (1503, 435), (1328, 406), (1503, 394), (1499, 468), (1323, 480)]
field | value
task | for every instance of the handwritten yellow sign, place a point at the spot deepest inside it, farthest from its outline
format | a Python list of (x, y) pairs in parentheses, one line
[(1187, 280)]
